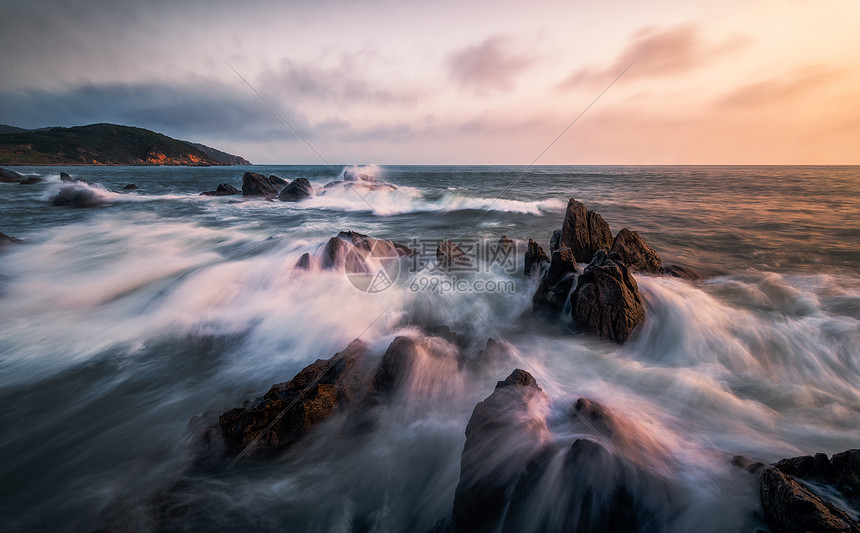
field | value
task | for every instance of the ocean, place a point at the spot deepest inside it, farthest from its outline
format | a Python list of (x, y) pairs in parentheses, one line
[(121, 323)]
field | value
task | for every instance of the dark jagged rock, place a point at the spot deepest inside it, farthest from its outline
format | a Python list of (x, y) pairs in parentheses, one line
[(535, 259), (299, 189), (223, 189), (10, 176), (32, 180), (842, 471), (789, 507), (443, 332), (258, 186), (493, 352), (277, 181), (555, 286), (77, 196), (505, 244), (683, 272), (65, 178), (606, 300), (584, 231), (449, 256), (635, 253), (747, 464), (304, 262), (130, 187), (555, 241), (320, 390), (482, 495)]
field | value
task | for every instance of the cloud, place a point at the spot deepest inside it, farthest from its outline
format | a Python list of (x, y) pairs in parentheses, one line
[(657, 53), (798, 84), (490, 65)]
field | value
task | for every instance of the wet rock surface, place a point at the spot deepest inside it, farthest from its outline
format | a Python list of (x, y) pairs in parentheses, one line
[(258, 186), (77, 196), (606, 300), (298, 190), (224, 189), (535, 259), (10, 176), (584, 231), (635, 253), (551, 295)]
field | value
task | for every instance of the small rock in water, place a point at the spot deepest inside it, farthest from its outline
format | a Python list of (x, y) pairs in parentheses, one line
[(31, 180), (258, 186), (299, 189), (10, 176), (77, 196), (65, 178), (130, 187), (535, 259), (6, 240), (223, 189)]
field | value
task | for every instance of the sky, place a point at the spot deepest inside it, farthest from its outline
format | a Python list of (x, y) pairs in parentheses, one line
[(449, 82)]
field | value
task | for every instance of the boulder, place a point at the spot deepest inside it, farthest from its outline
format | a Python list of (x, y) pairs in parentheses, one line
[(505, 244), (535, 259), (130, 187), (403, 360), (584, 231), (606, 300), (841, 471), (65, 178), (10, 176), (551, 295), (450, 257), (290, 410), (277, 181), (78, 196), (223, 189), (299, 189), (350, 250), (258, 186), (31, 180), (790, 507), (635, 253)]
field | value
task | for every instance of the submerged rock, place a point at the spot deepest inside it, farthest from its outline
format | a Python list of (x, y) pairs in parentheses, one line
[(534, 260), (449, 256), (635, 253), (551, 295), (32, 180), (223, 189), (606, 300), (130, 187), (299, 189), (584, 232), (10, 176), (6, 240), (258, 186), (78, 196)]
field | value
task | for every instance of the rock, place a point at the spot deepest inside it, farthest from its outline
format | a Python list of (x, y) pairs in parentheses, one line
[(552, 294), (299, 189), (10, 176), (223, 189), (683, 272), (6, 240), (555, 241), (77, 196), (304, 262), (290, 410), (584, 232), (450, 257), (31, 180), (842, 472), (278, 182), (258, 186), (535, 259), (606, 300), (747, 464), (400, 364), (130, 187), (789, 507), (505, 244), (635, 253), (505, 419), (65, 178), (350, 250)]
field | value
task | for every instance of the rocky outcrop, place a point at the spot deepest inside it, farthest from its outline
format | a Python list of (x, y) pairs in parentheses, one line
[(535, 259), (65, 178), (606, 300), (552, 293), (223, 189), (299, 189), (350, 250), (515, 476), (10, 176), (78, 196), (449, 256), (505, 244), (258, 186), (635, 253), (290, 410), (32, 180), (584, 232), (791, 506), (277, 181), (555, 241)]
